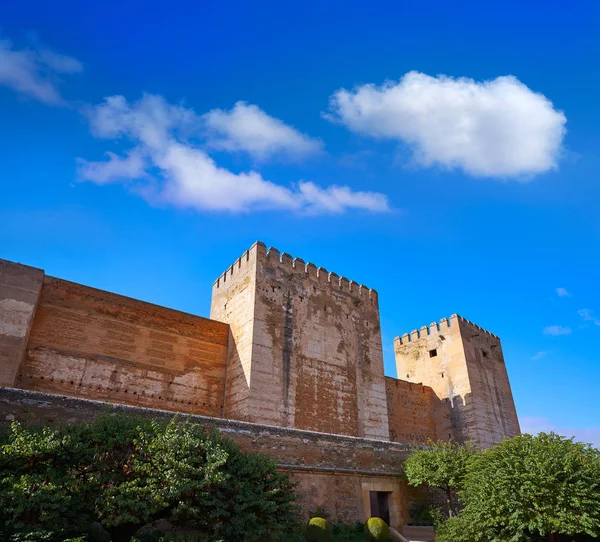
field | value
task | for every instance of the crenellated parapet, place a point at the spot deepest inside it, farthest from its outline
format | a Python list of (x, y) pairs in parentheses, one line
[(288, 263), (438, 328)]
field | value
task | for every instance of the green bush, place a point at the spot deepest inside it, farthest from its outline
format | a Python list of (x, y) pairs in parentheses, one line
[(543, 487), (318, 530), (377, 530), (124, 472)]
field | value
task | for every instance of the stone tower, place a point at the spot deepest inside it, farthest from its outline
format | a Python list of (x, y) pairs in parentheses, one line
[(305, 347), (464, 366)]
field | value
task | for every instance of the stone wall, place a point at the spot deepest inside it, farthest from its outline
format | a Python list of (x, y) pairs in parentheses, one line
[(491, 395), (410, 411), (307, 342), (90, 343), (233, 301), (19, 291), (464, 366), (334, 472)]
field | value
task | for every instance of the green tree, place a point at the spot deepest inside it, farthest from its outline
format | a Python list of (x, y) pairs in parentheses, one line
[(124, 472), (545, 487), (442, 465)]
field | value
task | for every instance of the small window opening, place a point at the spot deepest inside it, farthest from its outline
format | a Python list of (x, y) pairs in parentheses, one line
[(484, 353), (433, 353), (442, 375), (407, 376)]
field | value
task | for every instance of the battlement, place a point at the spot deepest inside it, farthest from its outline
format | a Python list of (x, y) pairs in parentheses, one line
[(436, 328), (259, 252)]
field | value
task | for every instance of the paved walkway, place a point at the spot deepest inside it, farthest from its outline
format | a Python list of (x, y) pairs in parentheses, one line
[(418, 534)]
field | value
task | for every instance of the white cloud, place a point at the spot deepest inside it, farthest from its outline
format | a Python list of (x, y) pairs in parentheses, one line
[(248, 128), (497, 128), (534, 425), (538, 356), (589, 316), (34, 72), (562, 292), (116, 168), (171, 168), (557, 330), (336, 199)]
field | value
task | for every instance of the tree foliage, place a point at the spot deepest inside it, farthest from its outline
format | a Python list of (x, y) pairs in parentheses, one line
[(529, 488), (440, 464), (125, 472)]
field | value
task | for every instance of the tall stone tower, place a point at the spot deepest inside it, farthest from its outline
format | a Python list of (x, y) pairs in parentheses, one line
[(464, 366), (305, 348)]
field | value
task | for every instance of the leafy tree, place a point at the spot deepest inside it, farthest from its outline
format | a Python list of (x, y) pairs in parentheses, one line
[(439, 464), (125, 472), (529, 488)]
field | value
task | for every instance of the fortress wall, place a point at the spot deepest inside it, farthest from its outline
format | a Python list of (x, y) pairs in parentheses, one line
[(334, 472), (464, 365), (20, 287), (445, 373), (410, 411), (233, 299), (317, 358), (492, 399), (89, 343)]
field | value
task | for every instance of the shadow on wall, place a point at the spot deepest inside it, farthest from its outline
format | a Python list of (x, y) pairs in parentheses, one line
[(237, 385), (453, 417)]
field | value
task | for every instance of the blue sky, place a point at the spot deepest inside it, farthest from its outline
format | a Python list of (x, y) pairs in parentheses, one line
[(444, 154)]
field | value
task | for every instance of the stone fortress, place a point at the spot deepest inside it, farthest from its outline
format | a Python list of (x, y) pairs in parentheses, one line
[(290, 363)]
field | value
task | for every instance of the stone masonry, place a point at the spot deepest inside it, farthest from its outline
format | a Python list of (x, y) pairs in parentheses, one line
[(464, 366), (308, 346), (289, 363)]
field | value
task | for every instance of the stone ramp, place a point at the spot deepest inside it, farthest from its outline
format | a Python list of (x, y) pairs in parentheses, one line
[(418, 534)]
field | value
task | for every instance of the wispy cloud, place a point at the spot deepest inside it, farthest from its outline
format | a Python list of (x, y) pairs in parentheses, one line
[(557, 330), (589, 316), (163, 164), (562, 292), (539, 355), (534, 425), (497, 128), (247, 128), (34, 72)]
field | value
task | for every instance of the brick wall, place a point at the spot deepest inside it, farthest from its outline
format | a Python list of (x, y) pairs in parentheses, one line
[(90, 343), (410, 411)]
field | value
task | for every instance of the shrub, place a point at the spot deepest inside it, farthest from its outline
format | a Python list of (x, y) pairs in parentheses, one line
[(377, 530), (347, 531), (318, 530), (124, 473), (529, 488)]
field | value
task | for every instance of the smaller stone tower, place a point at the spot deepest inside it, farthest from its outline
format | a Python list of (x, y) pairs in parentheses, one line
[(464, 366)]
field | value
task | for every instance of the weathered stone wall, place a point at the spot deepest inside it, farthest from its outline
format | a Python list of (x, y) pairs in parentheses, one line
[(410, 411), (19, 291), (90, 343), (491, 395), (464, 366), (315, 360), (334, 472), (233, 301)]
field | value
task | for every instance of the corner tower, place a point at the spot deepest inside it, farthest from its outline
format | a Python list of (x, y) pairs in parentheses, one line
[(305, 348), (464, 366)]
